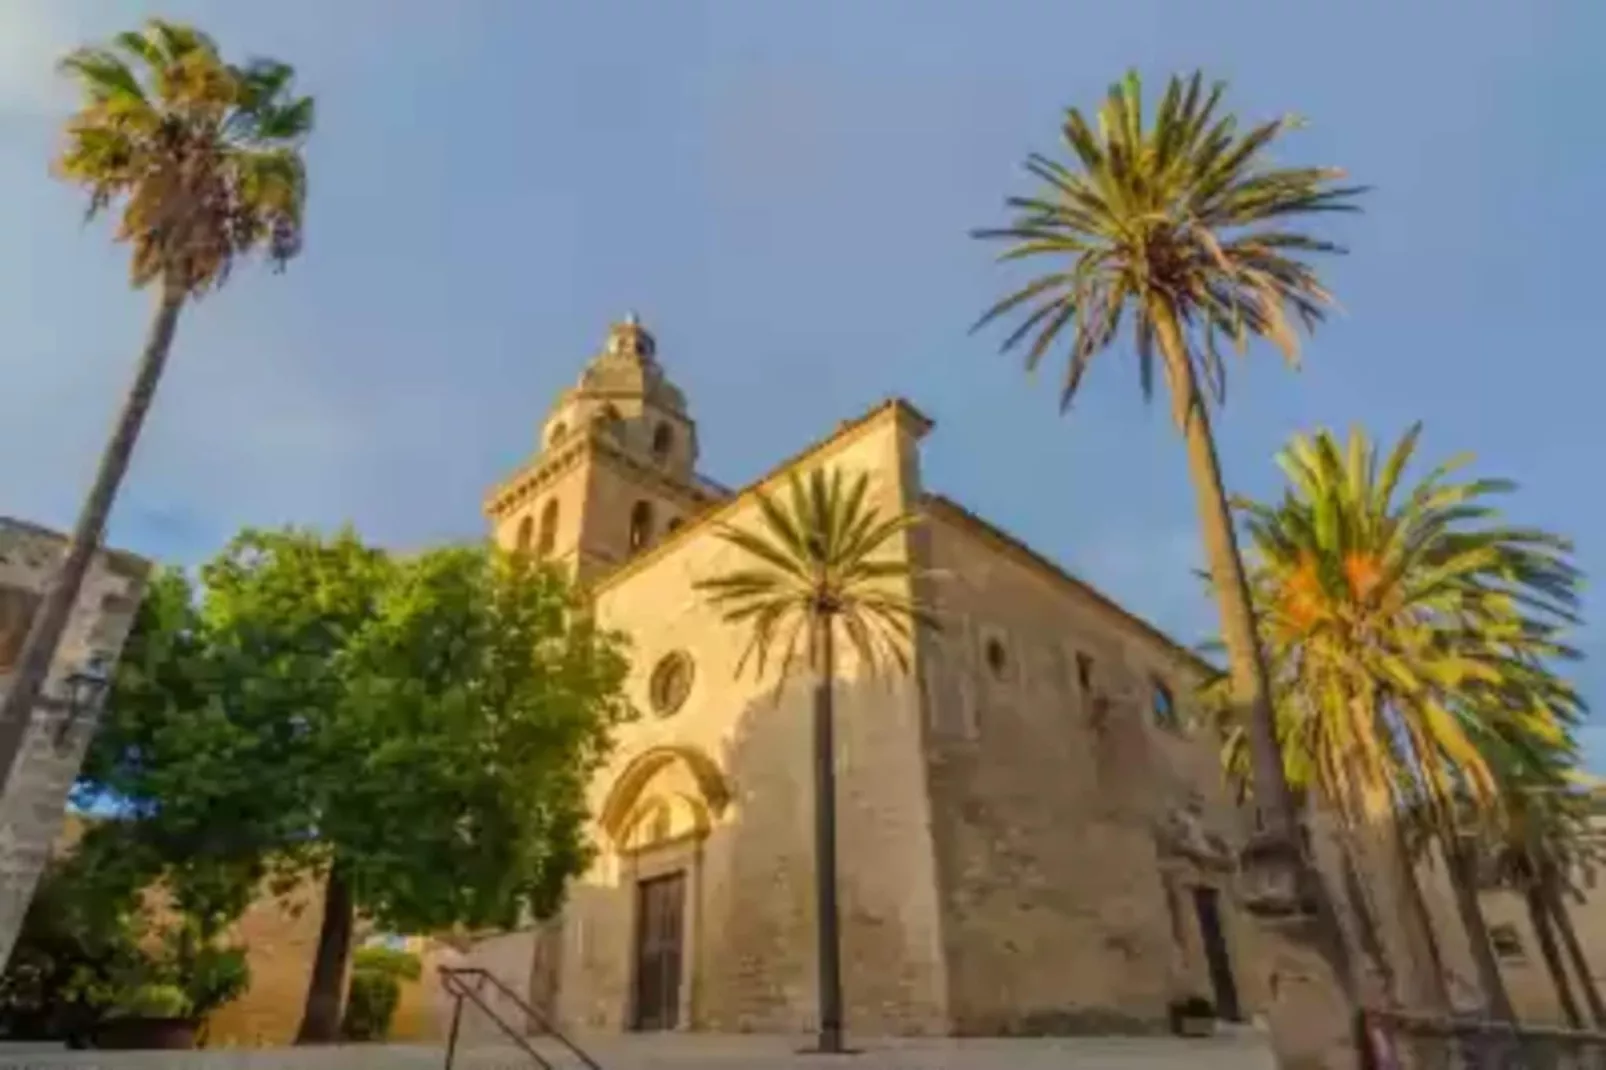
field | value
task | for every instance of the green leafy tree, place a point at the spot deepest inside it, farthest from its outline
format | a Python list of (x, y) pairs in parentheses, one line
[(1413, 638), (1182, 228), (202, 160), (417, 732), (823, 561)]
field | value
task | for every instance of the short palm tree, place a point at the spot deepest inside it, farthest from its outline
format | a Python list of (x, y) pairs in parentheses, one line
[(1182, 228), (1541, 840), (822, 561), (202, 159), (1413, 638)]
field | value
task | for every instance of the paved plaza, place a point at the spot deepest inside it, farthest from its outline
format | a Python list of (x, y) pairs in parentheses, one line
[(1247, 1050)]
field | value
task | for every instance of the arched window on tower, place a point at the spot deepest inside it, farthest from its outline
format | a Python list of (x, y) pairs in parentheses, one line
[(640, 525), (521, 541), (663, 440), (560, 431), (549, 527)]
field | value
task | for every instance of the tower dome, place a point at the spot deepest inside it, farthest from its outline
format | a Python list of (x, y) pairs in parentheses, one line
[(628, 367), (624, 395)]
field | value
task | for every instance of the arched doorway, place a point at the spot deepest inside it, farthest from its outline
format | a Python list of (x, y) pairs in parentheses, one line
[(656, 816)]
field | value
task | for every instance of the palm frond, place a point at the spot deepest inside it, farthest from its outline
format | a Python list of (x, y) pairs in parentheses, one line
[(1182, 218), (820, 552), (203, 158)]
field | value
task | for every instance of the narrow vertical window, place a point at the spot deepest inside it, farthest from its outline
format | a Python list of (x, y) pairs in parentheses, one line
[(640, 525), (1084, 672), (1164, 705), (549, 527), (526, 532)]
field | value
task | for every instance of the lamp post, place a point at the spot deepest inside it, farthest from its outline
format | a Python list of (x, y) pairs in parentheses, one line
[(78, 696)]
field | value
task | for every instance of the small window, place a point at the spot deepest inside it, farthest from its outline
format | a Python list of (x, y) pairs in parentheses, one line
[(1164, 705), (674, 524), (525, 536), (670, 683), (640, 526), (549, 528), (997, 659), (663, 440), (1506, 941), (560, 431), (1084, 671)]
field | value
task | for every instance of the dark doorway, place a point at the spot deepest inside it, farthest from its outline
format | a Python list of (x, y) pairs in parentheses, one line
[(1207, 903), (660, 910)]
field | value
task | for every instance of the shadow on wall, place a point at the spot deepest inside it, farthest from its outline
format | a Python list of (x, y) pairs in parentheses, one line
[(748, 865)]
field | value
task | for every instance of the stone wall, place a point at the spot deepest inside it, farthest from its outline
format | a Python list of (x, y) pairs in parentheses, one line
[(1048, 778), (35, 798)]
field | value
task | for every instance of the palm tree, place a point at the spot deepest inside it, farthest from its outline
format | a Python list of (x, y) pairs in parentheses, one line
[(203, 160), (1180, 228), (823, 561), (1412, 637)]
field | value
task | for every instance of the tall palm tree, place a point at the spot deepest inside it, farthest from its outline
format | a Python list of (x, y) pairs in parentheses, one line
[(822, 561), (202, 159), (1180, 227), (1413, 638)]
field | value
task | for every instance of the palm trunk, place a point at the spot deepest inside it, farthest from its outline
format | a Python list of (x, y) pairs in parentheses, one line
[(1417, 904), (1369, 935), (1251, 689), (825, 890), (44, 637), (1575, 952), (320, 1019), (1539, 918), (1464, 881)]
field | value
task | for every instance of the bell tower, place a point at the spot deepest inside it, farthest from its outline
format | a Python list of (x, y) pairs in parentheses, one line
[(614, 470)]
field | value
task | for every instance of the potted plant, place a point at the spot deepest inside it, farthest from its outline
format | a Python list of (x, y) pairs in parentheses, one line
[(154, 1016), (1193, 1016)]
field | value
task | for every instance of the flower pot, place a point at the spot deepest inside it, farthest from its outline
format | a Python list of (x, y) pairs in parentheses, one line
[(145, 1034)]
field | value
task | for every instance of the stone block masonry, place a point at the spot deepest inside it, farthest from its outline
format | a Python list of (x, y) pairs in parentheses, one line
[(34, 799)]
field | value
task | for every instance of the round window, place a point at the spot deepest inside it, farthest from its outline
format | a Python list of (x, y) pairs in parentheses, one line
[(670, 683)]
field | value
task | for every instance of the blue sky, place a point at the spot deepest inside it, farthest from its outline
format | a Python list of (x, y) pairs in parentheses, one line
[(783, 191)]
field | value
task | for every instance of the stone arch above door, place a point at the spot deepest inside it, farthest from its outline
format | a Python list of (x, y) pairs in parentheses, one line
[(680, 773)]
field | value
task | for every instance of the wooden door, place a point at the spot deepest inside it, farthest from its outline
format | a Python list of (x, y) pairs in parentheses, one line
[(660, 913)]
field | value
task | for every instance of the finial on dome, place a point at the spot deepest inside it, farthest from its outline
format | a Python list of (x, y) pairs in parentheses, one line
[(631, 339)]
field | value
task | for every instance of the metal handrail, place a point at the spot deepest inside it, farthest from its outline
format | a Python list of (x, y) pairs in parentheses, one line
[(452, 980)]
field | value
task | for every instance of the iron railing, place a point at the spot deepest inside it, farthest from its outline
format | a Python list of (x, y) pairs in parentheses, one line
[(468, 983), (1394, 1041)]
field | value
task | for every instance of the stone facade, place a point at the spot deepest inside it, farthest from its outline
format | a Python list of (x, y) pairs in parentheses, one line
[(35, 798), (1026, 831)]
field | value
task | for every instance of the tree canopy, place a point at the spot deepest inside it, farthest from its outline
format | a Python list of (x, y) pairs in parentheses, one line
[(426, 724)]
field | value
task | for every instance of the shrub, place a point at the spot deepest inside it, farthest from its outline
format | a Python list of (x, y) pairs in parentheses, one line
[(215, 976), (153, 1001), (402, 965), (370, 1005)]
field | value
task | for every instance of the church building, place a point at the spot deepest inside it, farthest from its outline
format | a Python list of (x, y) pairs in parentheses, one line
[(1030, 840)]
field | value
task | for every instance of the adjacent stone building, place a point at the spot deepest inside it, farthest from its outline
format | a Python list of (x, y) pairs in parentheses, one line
[(1030, 839), (35, 798)]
